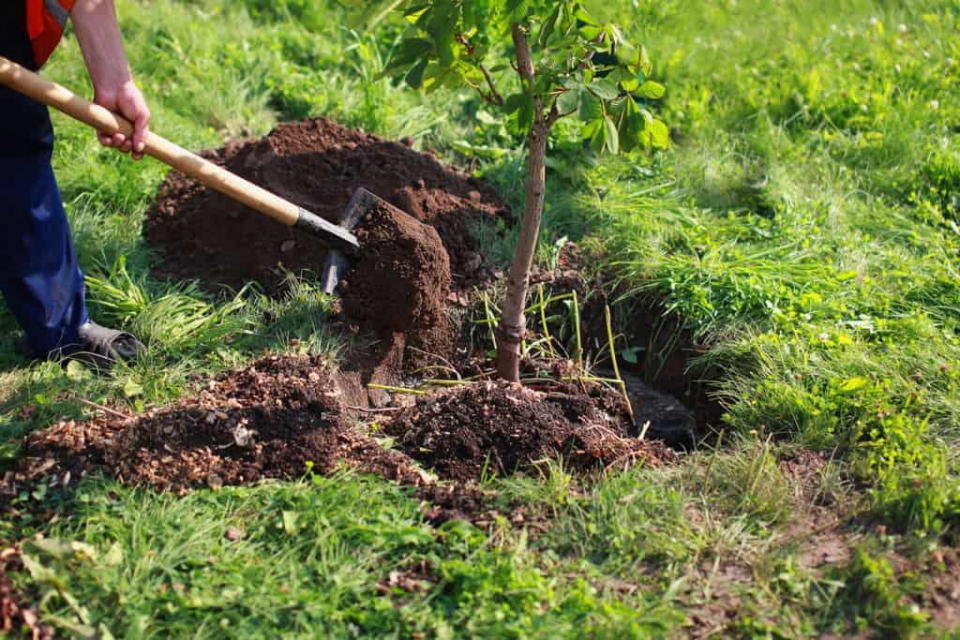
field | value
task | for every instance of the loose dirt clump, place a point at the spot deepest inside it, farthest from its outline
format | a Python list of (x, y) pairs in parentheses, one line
[(317, 164), (274, 419), (498, 428), (401, 278)]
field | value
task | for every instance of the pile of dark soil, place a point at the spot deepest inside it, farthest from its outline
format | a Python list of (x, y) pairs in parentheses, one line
[(270, 420), (317, 164), (500, 429)]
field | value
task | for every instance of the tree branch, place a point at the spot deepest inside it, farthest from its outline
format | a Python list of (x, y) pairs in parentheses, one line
[(497, 98), (555, 115)]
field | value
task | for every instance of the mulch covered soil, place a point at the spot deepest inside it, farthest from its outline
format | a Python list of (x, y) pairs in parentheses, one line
[(269, 420), (316, 164), (499, 428)]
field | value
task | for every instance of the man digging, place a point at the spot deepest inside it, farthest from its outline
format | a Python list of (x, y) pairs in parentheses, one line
[(39, 275)]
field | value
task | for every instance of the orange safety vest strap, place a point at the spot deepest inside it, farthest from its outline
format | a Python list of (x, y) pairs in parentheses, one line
[(46, 20)]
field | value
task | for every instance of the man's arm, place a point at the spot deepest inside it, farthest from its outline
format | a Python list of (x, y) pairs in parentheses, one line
[(95, 23)]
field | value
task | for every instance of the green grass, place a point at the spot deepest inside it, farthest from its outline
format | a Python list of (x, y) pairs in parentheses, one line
[(805, 226)]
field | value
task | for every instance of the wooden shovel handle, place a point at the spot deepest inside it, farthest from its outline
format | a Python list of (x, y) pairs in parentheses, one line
[(53, 95)]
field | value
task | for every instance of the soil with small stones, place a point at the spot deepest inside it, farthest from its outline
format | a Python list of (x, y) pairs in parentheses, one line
[(499, 429), (273, 419), (317, 164), (17, 619)]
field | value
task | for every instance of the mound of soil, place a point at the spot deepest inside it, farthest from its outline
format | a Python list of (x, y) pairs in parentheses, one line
[(500, 429), (270, 420), (317, 164), (401, 278)]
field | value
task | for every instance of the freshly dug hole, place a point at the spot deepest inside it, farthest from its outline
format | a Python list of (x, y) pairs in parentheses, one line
[(268, 420), (502, 428)]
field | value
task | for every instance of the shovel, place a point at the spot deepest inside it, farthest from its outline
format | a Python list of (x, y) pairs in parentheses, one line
[(341, 241)]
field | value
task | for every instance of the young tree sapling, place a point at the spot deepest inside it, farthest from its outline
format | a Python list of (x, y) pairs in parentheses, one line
[(568, 64)]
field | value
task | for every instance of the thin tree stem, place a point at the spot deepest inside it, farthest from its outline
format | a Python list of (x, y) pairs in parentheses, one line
[(513, 322), (497, 99)]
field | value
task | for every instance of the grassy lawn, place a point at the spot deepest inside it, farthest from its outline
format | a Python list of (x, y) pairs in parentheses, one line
[(804, 228)]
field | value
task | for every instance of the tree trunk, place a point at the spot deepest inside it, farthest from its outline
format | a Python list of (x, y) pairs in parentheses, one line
[(513, 322)]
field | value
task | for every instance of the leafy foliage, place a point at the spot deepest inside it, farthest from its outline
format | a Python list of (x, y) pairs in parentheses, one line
[(583, 67)]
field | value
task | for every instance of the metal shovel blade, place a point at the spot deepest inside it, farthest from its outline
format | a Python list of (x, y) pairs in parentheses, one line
[(337, 261)]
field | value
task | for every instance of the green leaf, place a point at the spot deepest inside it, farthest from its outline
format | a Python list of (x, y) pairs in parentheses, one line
[(628, 55), (646, 66), (611, 136), (131, 389), (39, 572), (604, 88), (415, 10), (290, 522), (631, 126), (852, 385), (408, 53), (514, 102), (550, 25), (77, 372), (590, 108), (594, 131), (445, 49), (630, 84), (482, 151), (517, 9), (114, 555), (852, 274), (583, 16), (526, 113), (630, 354), (652, 90), (569, 101), (659, 134), (589, 32), (415, 77)]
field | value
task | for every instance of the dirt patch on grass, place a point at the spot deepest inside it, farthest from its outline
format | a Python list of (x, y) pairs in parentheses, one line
[(277, 418), (317, 164), (941, 597), (499, 429)]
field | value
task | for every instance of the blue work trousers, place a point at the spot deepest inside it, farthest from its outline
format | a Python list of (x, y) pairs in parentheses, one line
[(39, 275)]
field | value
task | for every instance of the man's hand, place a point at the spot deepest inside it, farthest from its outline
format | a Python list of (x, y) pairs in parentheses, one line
[(95, 23), (128, 101)]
